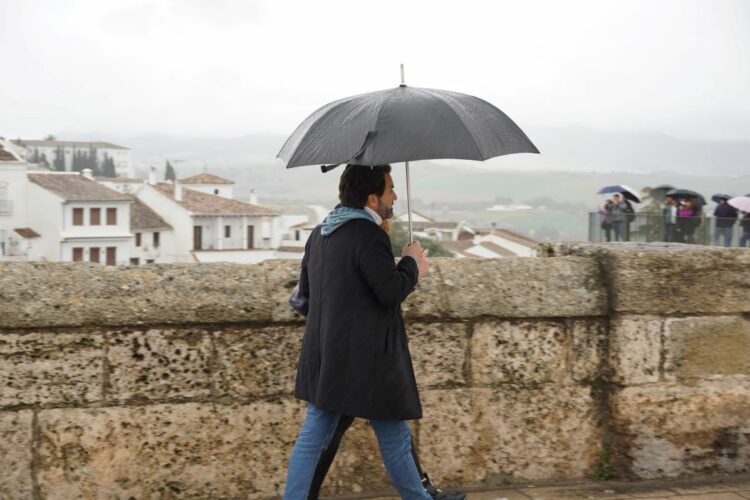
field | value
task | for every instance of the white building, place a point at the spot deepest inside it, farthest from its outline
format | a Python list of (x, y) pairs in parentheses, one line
[(77, 219), (209, 227), (122, 157), (153, 237), (211, 184), (17, 240), (491, 244)]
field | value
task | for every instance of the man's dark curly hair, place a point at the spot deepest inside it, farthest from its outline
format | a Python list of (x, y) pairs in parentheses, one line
[(360, 181)]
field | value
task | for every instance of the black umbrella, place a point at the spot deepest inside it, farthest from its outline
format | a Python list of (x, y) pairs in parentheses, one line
[(687, 193), (403, 124), (720, 196), (627, 192)]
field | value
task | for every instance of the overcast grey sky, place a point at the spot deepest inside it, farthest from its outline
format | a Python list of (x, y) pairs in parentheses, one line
[(227, 68)]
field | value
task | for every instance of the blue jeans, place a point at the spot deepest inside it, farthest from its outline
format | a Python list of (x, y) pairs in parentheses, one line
[(744, 239), (724, 233), (317, 432)]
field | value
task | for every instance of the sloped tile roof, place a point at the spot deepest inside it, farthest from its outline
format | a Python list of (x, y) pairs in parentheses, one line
[(208, 204), (143, 217), (205, 178), (26, 232), (6, 155), (75, 187), (118, 180)]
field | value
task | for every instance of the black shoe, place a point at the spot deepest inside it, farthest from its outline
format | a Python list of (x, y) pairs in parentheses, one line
[(440, 494)]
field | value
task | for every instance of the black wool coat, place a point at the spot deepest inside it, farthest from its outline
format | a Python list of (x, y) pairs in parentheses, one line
[(355, 358)]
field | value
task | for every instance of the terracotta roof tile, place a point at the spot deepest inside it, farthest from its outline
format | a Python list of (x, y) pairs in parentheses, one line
[(75, 187), (26, 232), (205, 178), (6, 155), (143, 217), (208, 204)]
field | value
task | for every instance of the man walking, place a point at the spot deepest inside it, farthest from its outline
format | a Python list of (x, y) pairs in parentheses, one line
[(355, 360)]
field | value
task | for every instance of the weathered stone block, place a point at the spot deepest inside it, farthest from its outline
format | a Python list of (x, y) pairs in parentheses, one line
[(701, 347), (650, 278), (473, 436), (438, 352), (257, 362), (670, 430), (635, 349), (167, 451), (281, 277), (51, 367), (157, 364), (79, 293), (519, 352), (589, 341), (15, 454), (429, 300), (523, 287)]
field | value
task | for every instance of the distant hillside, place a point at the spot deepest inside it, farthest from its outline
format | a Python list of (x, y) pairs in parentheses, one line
[(574, 163)]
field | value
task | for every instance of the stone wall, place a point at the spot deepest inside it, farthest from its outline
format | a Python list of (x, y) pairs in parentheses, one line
[(174, 381)]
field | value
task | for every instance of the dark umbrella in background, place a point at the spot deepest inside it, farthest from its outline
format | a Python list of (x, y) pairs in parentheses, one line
[(627, 192), (697, 198), (403, 124), (659, 193), (720, 196)]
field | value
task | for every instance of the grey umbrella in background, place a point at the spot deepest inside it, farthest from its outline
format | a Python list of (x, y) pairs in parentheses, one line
[(403, 124)]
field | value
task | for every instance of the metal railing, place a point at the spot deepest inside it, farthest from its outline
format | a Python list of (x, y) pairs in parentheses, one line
[(653, 227)]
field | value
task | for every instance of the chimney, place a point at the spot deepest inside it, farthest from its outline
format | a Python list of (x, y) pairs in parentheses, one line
[(152, 175), (88, 173), (253, 197), (177, 191)]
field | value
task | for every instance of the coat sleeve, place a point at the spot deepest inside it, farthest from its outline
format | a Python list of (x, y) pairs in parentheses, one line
[(300, 299), (390, 283)]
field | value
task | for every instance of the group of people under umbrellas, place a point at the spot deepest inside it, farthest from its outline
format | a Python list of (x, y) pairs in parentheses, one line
[(681, 214)]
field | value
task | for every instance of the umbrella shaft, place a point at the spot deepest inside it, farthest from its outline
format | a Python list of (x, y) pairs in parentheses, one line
[(408, 202)]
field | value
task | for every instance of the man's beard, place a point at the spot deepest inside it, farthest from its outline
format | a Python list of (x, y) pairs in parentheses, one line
[(383, 211)]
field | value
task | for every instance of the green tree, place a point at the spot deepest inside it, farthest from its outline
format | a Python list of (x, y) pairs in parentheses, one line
[(169, 173), (108, 166), (76, 164), (400, 236), (50, 137), (59, 161)]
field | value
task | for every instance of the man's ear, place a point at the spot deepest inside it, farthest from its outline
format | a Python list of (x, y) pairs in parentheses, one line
[(372, 201)]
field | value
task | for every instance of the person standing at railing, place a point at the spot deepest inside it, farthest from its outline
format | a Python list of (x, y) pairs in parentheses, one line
[(745, 224), (687, 221), (619, 217), (606, 216), (669, 213), (726, 216)]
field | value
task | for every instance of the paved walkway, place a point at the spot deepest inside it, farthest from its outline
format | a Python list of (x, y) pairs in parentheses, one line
[(735, 487)]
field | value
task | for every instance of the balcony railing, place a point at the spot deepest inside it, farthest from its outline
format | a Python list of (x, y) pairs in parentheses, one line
[(651, 227), (6, 207)]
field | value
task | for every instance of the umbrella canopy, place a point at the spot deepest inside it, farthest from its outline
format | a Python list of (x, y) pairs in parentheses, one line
[(720, 196), (626, 191), (404, 124), (741, 203), (687, 193), (659, 193)]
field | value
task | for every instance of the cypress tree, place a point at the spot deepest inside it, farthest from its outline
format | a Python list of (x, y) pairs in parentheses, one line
[(59, 161), (169, 173)]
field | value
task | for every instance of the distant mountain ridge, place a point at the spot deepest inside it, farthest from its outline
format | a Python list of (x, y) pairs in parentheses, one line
[(570, 148), (574, 163)]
